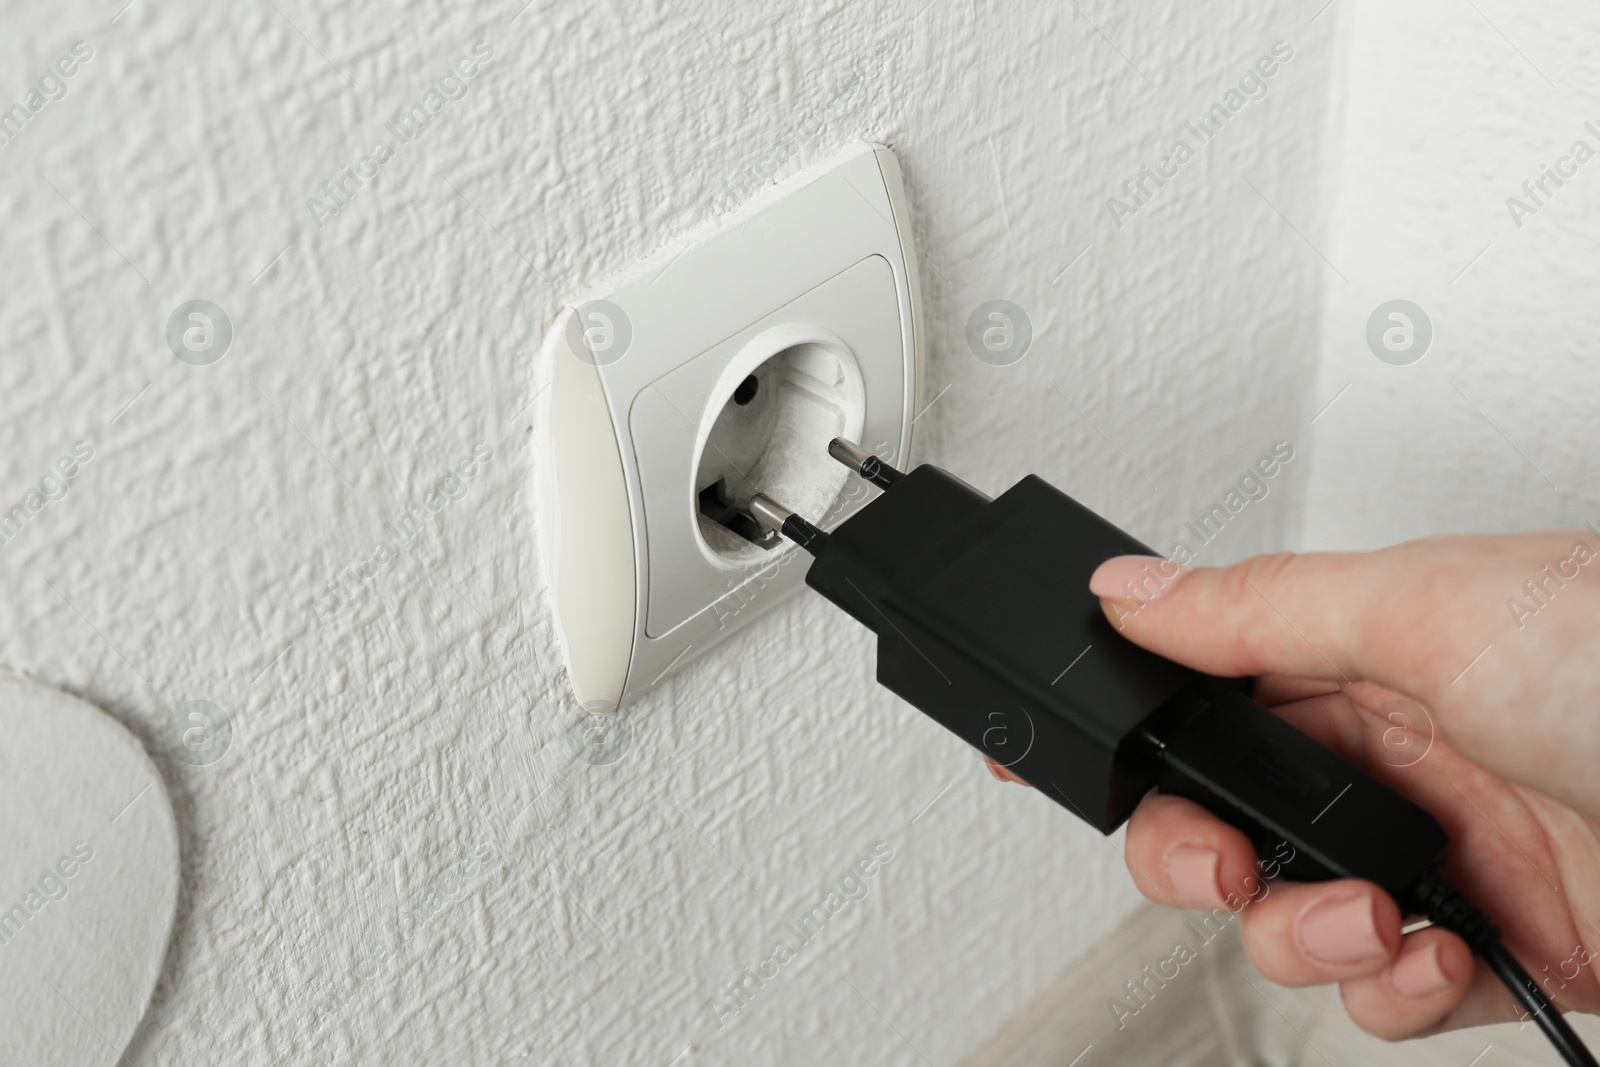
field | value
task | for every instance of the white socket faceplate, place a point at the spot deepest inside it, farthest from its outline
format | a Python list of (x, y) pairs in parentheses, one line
[(823, 271)]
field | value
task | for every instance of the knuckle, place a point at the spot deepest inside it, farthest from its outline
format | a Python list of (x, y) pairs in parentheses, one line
[(1249, 585)]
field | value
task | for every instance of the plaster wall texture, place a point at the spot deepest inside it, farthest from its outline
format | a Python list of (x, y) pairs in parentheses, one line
[(400, 858), (1451, 109)]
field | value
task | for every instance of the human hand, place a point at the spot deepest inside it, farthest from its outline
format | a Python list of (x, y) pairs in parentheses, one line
[(1417, 664)]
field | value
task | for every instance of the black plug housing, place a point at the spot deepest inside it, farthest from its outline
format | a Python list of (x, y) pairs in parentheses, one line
[(985, 622)]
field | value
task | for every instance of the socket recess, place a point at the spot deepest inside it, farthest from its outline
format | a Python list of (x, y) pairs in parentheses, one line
[(676, 394)]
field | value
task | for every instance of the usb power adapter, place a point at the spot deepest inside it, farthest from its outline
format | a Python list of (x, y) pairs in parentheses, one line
[(985, 623)]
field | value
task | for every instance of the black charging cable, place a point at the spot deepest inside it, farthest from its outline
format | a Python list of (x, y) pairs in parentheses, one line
[(985, 623), (1446, 906)]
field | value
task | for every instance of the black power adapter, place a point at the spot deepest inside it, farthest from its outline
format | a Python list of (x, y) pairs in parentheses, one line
[(985, 622)]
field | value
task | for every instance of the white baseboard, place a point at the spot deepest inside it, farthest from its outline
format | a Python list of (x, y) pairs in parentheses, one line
[(1173, 989)]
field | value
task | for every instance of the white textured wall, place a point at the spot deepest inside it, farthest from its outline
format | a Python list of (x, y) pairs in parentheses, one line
[(399, 859), (1451, 108)]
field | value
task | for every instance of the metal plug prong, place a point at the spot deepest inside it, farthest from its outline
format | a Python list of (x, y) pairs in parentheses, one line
[(863, 463), (786, 522)]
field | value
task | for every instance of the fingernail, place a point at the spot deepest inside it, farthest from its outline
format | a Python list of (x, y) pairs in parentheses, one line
[(1341, 931), (994, 769), (1141, 578), (1419, 972), (1193, 873)]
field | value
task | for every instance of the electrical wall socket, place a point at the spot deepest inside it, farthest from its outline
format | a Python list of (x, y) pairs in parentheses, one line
[(678, 393)]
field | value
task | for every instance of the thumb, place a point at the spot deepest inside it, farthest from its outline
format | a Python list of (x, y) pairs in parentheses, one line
[(1403, 617), (1428, 618)]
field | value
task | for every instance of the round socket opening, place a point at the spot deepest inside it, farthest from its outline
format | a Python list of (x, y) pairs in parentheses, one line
[(771, 435)]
